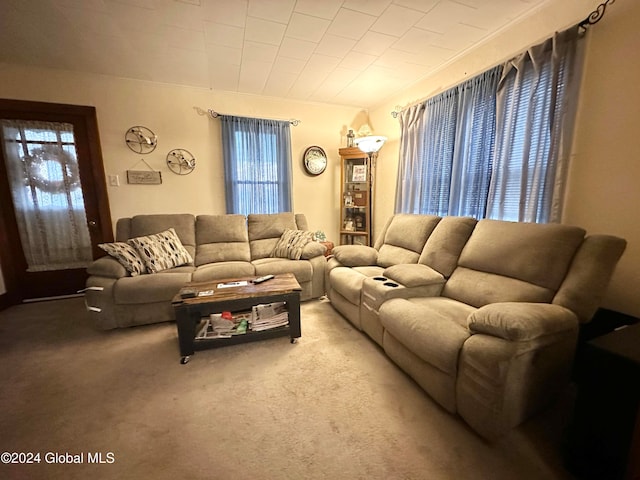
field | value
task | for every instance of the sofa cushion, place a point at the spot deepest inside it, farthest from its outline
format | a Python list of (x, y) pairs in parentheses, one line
[(221, 238), (303, 271), (444, 245), (126, 255), (432, 328), (223, 270), (532, 252), (481, 288), (291, 244), (405, 237), (161, 251), (265, 230), (348, 281), (146, 289)]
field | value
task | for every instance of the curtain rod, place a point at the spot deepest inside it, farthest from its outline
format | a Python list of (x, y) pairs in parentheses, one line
[(214, 114), (593, 18)]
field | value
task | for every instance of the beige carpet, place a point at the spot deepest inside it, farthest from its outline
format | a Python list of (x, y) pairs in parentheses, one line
[(331, 406)]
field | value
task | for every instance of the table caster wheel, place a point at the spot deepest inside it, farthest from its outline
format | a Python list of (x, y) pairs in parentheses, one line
[(184, 360)]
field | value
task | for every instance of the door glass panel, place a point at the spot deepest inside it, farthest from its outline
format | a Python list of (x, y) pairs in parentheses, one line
[(45, 185)]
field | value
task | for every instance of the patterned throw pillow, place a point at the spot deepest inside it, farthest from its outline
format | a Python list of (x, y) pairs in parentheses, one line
[(291, 244), (161, 251), (126, 255)]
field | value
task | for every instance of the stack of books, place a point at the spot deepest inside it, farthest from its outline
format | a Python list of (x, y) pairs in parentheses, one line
[(268, 315)]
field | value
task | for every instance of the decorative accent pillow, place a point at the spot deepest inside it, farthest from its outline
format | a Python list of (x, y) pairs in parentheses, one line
[(126, 255), (291, 244), (161, 251)]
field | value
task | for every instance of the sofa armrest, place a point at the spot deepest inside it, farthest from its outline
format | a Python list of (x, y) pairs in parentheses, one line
[(521, 321), (355, 255), (312, 250), (107, 267), (413, 275)]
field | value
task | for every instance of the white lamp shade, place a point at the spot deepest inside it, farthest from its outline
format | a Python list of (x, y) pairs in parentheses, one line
[(370, 144)]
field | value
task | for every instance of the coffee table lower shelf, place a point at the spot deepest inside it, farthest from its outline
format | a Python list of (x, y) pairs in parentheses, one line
[(189, 315)]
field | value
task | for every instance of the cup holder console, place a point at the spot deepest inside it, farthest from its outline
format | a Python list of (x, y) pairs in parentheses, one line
[(390, 284)]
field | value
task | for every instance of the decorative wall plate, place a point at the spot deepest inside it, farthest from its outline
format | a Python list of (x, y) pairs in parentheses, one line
[(140, 139), (180, 161), (314, 160)]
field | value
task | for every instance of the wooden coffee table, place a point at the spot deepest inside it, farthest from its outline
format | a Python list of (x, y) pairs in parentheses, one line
[(190, 311)]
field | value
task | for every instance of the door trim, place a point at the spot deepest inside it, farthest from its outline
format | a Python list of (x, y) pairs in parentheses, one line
[(94, 181)]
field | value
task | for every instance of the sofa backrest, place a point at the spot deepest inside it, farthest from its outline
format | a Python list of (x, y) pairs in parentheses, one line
[(513, 262), (403, 238), (266, 229), (221, 238), (141, 225), (445, 244)]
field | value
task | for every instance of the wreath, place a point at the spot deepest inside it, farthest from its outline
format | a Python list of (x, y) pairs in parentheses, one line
[(36, 166)]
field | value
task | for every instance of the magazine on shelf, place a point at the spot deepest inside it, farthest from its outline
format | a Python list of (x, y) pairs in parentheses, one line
[(269, 315)]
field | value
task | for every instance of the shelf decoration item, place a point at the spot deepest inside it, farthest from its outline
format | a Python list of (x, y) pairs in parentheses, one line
[(141, 139), (180, 161), (314, 160), (144, 177)]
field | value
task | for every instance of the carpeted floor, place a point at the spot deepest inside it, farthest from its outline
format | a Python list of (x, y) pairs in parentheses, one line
[(332, 406)]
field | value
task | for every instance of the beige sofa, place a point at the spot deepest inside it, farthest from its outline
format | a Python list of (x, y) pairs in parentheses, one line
[(483, 315), (221, 246)]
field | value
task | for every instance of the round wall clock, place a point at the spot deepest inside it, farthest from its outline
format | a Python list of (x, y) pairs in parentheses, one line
[(314, 160)]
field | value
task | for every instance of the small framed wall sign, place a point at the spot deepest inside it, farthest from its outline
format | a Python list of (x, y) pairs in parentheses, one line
[(144, 177)]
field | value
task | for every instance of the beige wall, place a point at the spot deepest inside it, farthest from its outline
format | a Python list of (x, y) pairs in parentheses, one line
[(603, 191), (169, 111)]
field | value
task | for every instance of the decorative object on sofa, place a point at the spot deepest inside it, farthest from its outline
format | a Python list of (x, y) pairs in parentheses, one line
[(144, 177), (483, 315), (319, 236), (141, 139), (180, 161), (354, 193), (314, 160), (161, 251)]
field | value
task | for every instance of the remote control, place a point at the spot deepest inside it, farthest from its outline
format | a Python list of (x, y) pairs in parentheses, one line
[(263, 279)]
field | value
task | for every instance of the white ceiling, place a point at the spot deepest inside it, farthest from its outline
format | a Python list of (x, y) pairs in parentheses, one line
[(351, 52)]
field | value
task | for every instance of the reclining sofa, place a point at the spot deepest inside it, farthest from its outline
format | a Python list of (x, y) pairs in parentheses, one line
[(483, 315), (218, 247)]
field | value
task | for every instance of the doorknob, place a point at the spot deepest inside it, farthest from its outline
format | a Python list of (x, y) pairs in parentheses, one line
[(92, 223)]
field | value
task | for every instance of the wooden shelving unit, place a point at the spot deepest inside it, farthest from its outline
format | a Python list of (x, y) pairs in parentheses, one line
[(355, 197)]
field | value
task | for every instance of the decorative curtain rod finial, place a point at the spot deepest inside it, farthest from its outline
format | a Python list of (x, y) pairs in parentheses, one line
[(595, 16)]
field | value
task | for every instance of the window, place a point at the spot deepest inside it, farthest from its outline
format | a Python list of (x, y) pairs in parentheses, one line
[(492, 146), (257, 161)]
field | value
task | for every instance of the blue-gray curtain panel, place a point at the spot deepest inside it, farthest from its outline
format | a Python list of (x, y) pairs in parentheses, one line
[(257, 165)]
